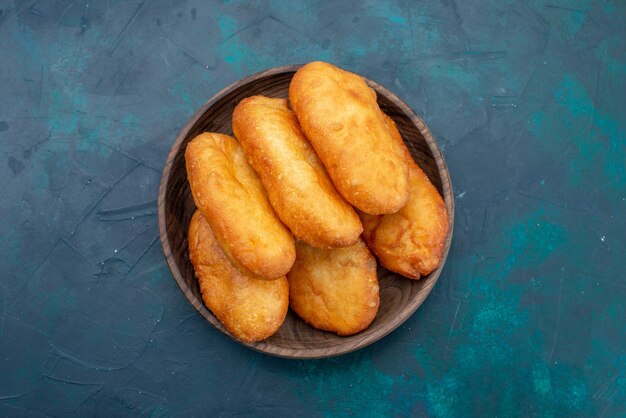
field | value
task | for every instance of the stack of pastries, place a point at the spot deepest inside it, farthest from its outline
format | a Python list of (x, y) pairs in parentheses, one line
[(293, 212)]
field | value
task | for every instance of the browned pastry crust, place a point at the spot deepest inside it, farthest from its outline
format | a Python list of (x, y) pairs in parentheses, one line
[(297, 184), (251, 309), (334, 289), (232, 199), (410, 241), (339, 114)]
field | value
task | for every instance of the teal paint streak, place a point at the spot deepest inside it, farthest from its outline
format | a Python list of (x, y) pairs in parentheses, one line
[(533, 242), (573, 22), (441, 402), (568, 17), (458, 76), (180, 90), (425, 24), (397, 19), (72, 133), (63, 113), (587, 128), (608, 7), (246, 53), (228, 25), (493, 335), (541, 380), (63, 104), (393, 15), (235, 52), (571, 94), (30, 47), (344, 387)]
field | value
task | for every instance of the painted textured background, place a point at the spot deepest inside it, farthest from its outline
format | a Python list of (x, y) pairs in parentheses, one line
[(525, 97)]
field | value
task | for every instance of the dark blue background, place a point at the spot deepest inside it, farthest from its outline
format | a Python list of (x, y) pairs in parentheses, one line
[(527, 101)]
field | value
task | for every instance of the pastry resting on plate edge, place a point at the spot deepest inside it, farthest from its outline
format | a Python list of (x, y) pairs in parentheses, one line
[(297, 184), (340, 116), (411, 241), (334, 289), (250, 309), (232, 199)]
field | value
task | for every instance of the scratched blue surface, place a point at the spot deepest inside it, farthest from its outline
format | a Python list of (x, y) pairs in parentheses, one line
[(527, 101)]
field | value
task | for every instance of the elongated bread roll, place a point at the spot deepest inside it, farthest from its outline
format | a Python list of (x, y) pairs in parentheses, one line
[(251, 309), (232, 199), (296, 182), (334, 289), (411, 241), (339, 114)]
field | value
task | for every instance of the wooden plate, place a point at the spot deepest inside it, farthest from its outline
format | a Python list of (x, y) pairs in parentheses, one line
[(399, 297)]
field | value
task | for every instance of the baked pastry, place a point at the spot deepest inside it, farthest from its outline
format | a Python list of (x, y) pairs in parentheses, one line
[(249, 308), (232, 199), (410, 241), (334, 289), (297, 184), (340, 116)]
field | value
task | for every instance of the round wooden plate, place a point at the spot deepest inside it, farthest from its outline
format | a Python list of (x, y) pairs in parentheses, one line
[(399, 297)]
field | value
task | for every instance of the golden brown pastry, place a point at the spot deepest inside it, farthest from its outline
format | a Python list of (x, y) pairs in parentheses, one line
[(411, 241), (296, 182), (339, 114), (334, 289), (232, 199), (250, 309)]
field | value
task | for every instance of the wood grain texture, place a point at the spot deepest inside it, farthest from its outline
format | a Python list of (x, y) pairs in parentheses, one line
[(399, 297)]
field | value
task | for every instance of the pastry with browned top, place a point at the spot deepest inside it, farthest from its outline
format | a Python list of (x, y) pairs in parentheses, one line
[(410, 241), (334, 289), (297, 184), (249, 308), (232, 199), (339, 114)]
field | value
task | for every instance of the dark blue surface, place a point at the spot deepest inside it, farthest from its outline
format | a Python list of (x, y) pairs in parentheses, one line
[(527, 101)]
